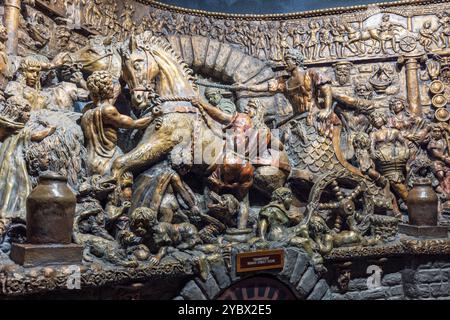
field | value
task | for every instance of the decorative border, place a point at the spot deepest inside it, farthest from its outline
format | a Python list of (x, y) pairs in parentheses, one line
[(17, 281), (405, 246), (286, 16)]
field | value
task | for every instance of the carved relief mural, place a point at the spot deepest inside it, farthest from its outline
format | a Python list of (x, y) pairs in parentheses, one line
[(164, 141)]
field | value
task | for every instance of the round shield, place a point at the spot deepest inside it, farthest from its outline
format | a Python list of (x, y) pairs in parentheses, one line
[(439, 101), (436, 87), (442, 114)]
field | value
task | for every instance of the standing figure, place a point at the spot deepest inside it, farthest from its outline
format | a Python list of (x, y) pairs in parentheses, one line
[(261, 42), (15, 183), (297, 39), (387, 30), (390, 152), (312, 44), (325, 38), (337, 33), (283, 38), (308, 91), (92, 13), (100, 124), (127, 16), (438, 150)]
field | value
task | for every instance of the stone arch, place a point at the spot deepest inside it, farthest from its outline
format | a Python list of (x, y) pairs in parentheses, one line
[(229, 64), (298, 274)]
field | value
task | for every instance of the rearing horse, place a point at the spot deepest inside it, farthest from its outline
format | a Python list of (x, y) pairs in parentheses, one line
[(183, 132), (150, 64)]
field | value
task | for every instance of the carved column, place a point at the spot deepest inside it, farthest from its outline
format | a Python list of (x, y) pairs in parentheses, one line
[(412, 65), (11, 19)]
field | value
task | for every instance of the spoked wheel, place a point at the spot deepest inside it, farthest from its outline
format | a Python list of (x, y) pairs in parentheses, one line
[(408, 43), (345, 195)]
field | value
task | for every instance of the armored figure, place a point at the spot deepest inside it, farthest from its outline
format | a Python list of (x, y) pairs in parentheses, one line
[(235, 174)]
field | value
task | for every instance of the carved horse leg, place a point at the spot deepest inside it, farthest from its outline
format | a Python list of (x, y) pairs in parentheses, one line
[(142, 156)]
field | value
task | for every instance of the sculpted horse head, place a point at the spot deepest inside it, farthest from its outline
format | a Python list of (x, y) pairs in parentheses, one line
[(150, 64), (100, 54)]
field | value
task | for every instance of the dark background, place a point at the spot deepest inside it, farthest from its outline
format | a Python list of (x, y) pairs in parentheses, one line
[(265, 6)]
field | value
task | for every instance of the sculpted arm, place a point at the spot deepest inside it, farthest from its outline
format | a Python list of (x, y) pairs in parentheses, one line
[(438, 154), (327, 95), (41, 135), (213, 112), (345, 99), (272, 86), (122, 121)]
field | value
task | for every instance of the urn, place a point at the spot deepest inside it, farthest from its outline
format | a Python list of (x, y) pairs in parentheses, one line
[(422, 204), (50, 211)]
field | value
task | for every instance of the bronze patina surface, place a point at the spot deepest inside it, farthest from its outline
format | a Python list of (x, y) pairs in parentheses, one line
[(185, 138)]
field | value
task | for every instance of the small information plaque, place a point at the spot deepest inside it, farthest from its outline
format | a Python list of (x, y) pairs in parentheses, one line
[(259, 260)]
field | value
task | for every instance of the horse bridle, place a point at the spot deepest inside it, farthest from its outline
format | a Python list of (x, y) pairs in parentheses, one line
[(148, 88), (109, 53)]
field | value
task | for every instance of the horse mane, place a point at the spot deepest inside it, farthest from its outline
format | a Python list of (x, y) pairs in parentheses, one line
[(149, 38)]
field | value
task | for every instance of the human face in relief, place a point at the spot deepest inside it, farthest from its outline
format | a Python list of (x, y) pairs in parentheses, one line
[(397, 106), (290, 63), (32, 75)]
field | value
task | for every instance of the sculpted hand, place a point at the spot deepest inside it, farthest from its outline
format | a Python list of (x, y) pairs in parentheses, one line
[(77, 77), (52, 129), (239, 86), (195, 101), (323, 114), (273, 85)]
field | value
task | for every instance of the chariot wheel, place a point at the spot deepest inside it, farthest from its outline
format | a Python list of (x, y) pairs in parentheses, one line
[(408, 43), (344, 194)]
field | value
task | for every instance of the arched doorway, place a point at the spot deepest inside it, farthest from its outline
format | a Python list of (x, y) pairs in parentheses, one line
[(257, 288)]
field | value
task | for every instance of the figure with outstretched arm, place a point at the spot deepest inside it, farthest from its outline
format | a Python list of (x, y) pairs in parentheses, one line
[(306, 89)]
